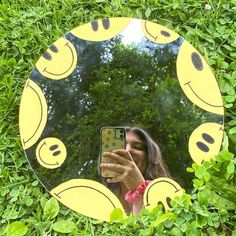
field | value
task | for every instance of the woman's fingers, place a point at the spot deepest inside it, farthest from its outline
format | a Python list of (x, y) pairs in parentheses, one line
[(121, 159), (123, 153), (115, 167), (117, 179)]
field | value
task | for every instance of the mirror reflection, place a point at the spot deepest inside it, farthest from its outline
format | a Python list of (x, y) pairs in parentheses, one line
[(124, 81)]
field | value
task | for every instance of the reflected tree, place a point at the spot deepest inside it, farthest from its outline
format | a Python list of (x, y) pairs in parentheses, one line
[(118, 84)]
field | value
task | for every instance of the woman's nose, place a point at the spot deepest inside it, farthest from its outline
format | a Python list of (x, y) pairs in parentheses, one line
[(128, 147)]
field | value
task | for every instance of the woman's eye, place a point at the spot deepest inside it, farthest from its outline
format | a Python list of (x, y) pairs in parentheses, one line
[(138, 147)]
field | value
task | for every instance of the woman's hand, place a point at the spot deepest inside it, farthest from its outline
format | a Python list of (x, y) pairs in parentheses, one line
[(128, 171)]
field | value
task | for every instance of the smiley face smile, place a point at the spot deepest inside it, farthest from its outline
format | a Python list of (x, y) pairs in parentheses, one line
[(202, 88), (51, 153), (189, 85)]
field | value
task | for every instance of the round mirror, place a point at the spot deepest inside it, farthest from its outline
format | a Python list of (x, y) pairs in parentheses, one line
[(118, 72)]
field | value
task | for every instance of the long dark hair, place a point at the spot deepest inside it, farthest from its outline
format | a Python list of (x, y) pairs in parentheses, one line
[(156, 167)]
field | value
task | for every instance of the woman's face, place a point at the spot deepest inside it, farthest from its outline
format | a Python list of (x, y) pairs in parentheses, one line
[(137, 150)]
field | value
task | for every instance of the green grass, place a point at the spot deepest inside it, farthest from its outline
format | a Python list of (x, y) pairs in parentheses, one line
[(27, 28)]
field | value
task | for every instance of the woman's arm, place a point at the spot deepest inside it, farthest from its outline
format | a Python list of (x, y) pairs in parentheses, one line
[(137, 207), (129, 174)]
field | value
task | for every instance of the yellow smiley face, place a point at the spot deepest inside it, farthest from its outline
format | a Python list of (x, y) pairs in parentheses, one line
[(101, 30), (161, 191), (51, 153), (88, 197), (32, 121), (58, 61), (158, 33), (197, 80), (205, 142)]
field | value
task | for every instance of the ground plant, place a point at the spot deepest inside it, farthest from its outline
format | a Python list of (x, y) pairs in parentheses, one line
[(27, 28)]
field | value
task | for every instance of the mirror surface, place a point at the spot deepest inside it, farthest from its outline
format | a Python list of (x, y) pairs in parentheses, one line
[(127, 80)]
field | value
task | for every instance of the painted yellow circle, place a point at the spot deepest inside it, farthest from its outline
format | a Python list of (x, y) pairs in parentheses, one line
[(87, 197), (158, 33), (33, 114), (100, 30), (58, 61), (197, 80), (51, 153), (161, 191), (205, 142)]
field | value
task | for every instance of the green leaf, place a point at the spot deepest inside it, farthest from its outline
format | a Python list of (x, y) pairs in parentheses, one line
[(116, 214), (232, 122), (228, 47), (232, 130), (204, 196), (43, 201), (189, 169), (229, 105), (148, 12), (28, 201), (51, 209), (162, 218), (225, 156), (197, 183), (64, 226), (231, 168), (225, 143), (200, 172), (180, 220), (17, 228), (35, 182), (176, 231), (202, 220), (207, 176), (182, 16), (225, 65), (229, 98), (183, 227), (221, 186)]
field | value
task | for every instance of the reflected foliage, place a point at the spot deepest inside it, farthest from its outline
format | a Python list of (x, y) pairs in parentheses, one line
[(118, 84)]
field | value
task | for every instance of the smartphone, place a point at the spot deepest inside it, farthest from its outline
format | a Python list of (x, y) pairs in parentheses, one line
[(111, 138)]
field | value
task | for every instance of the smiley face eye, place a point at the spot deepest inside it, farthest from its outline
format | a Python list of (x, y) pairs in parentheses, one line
[(54, 48), (53, 147), (47, 56), (106, 23), (208, 138), (197, 62), (202, 146), (95, 25), (168, 199), (56, 153), (165, 33)]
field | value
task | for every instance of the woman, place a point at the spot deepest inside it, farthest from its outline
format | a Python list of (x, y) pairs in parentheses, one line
[(139, 163)]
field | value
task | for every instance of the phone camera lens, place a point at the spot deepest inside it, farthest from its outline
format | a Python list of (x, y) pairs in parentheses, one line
[(121, 136)]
